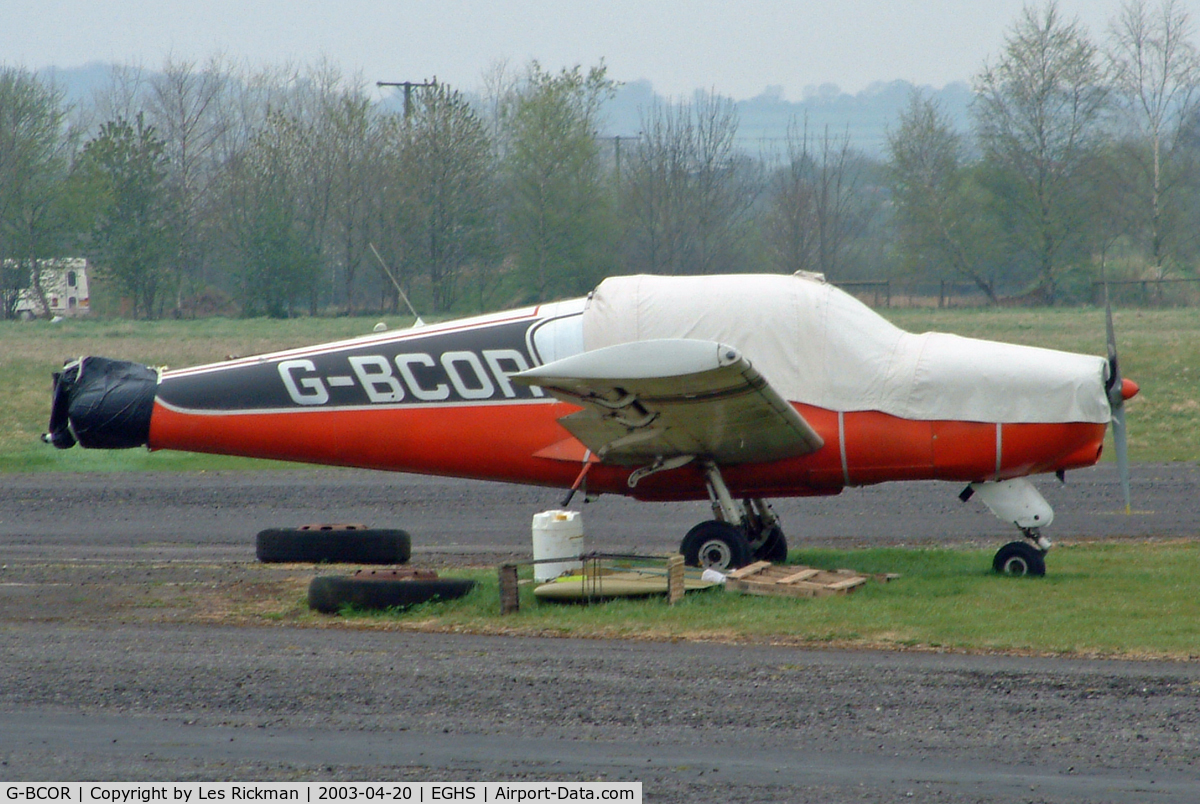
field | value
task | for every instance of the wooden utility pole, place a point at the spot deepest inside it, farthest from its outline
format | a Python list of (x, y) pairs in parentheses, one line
[(409, 86)]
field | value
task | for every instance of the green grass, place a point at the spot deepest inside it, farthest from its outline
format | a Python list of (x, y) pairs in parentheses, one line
[(1128, 600), (1160, 349)]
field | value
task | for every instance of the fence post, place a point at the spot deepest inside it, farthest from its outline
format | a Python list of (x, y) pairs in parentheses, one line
[(675, 579), (510, 597)]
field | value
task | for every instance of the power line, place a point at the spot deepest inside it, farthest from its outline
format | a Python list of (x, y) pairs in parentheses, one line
[(409, 86)]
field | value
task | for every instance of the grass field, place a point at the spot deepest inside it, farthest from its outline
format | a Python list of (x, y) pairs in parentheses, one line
[(1128, 600), (1160, 349)]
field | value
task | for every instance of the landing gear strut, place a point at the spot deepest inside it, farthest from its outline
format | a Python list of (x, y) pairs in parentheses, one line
[(739, 533)]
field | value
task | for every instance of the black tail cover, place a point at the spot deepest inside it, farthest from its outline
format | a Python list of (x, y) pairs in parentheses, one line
[(102, 404)]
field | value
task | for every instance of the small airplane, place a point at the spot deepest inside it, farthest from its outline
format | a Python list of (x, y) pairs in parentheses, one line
[(733, 388)]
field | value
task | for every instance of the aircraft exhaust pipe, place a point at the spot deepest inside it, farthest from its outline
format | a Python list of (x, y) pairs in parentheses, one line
[(100, 403)]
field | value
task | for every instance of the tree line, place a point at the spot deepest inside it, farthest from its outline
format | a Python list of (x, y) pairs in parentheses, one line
[(208, 188)]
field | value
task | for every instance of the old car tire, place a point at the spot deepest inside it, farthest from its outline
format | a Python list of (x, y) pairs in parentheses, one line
[(716, 545), (370, 546), (329, 593), (1019, 558)]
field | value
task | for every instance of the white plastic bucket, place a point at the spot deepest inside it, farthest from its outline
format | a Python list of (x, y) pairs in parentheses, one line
[(556, 534)]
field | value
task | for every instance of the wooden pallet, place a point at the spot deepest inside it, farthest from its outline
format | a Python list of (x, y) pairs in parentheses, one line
[(793, 580)]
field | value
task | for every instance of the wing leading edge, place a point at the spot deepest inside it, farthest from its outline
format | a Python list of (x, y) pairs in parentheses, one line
[(646, 401)]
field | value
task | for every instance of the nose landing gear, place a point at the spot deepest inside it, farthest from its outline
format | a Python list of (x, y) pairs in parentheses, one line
[(1023, 558)]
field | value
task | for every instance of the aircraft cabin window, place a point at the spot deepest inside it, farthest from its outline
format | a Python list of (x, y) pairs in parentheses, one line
[(558, 338)]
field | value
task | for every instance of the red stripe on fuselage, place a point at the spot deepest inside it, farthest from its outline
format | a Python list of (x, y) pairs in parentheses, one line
[(499, 442)]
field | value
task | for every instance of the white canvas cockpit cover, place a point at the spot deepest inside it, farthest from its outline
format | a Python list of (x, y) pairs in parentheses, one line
[(820, 346)]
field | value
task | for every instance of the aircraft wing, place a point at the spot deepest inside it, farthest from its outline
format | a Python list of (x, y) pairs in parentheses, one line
[(649, 400)]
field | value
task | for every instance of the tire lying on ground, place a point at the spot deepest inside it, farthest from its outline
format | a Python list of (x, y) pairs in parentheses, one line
[(329, 593), (343, 546)]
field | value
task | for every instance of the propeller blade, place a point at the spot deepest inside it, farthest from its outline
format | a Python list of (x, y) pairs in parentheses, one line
[(1116, 401), (1121, 442), (1113, 386)]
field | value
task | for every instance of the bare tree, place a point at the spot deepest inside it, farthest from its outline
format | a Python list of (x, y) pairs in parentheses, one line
[(499, 92), (726, 185), (331, 131), (654, 185), (1156, 73), (816, 208), (184, 104), (124, 94), (688, 192), (1038, 110)]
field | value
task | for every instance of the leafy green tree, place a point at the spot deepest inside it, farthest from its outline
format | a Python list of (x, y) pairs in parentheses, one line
[(940, 215), (132, 240), (36, 150), (559, 220), (450, 177), (1038, 114), (350, 131), (278, 260)]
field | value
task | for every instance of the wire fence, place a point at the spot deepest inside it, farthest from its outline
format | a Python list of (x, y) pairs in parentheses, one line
[(944, 294), (1149, 292)]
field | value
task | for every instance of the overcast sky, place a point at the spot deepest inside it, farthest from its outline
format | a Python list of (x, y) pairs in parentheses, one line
[(737, 47)]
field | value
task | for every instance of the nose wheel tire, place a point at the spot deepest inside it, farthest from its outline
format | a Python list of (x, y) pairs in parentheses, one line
[(1019, 558), (715, 545)]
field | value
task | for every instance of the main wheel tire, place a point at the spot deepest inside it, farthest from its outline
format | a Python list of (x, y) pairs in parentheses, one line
[(715, 545), (370, 546), (1019, 558), (774, 547), (329, 593)]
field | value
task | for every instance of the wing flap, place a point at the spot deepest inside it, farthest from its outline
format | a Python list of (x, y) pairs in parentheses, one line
[(647, 400)]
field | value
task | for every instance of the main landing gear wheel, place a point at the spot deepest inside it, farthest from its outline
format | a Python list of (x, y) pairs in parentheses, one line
[(772, 546), (1019, 558), (715, 545)]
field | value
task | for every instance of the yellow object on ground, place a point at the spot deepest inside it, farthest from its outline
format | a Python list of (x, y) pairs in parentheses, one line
[(615, 583)]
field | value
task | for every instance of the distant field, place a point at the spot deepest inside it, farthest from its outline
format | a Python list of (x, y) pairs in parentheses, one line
[(1160, 349)]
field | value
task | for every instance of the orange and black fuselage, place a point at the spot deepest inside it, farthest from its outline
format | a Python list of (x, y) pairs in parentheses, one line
[(440, 400)]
